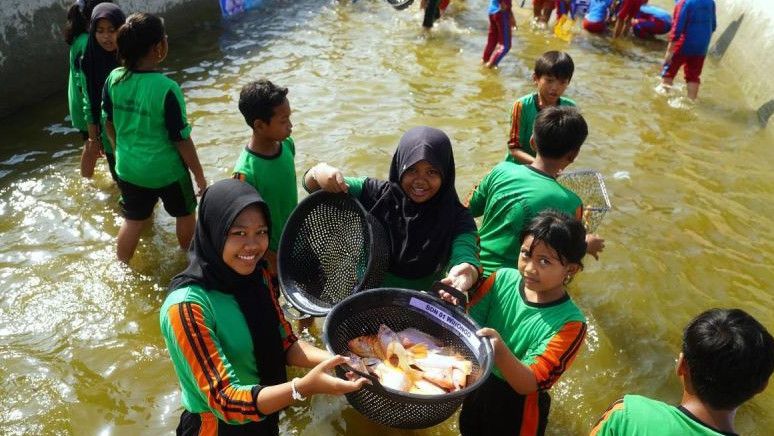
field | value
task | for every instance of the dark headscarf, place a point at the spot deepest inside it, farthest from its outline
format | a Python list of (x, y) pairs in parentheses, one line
[(98, 63), (219, 207), (420, 234)]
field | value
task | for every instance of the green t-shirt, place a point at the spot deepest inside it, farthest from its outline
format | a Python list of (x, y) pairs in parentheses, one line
[(148, 112), (464, 250), (543, 336), (212, 352), (274, 177), (523, 115), (74, 90), (641, 416), (509, 197)]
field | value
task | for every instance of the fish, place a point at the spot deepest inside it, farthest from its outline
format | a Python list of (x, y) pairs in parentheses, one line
[(425, 387), (392, 349), (433, 359), (410, 361), (366, 346), (411, 336), (394, 377)]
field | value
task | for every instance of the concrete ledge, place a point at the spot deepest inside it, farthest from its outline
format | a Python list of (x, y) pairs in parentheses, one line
[(33, 54)]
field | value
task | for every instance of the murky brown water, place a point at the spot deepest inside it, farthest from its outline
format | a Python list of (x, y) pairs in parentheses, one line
[(691, 228)]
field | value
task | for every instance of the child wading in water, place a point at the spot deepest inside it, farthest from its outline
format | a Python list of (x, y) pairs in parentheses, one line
[(536, 329), (501, 21), (552, 75), (76, 35), (225, 331), (146, 121), (97, 63)]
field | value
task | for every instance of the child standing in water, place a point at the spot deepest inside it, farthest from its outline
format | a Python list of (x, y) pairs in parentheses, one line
[(225, 331), (693, 24), (98, 61), (553, 72), (267, 162), (432, 235), (501, 20), (146, 122), (511, 195), (76, 34), (535, 328)]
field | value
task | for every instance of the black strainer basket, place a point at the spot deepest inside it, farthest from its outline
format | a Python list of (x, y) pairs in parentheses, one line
[(362, 313), (330, 248)]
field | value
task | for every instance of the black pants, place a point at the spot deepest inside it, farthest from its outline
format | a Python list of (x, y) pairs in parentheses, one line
[(496, 409), (190, 423)]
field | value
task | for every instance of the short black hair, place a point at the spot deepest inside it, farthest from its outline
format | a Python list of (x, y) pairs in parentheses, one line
[(730, 357), (559, 130), (556, 64), (258, 99), (560, 231)]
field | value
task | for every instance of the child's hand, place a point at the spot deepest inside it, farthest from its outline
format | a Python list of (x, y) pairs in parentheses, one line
[(462, 277), (201, 183), (594, 245), (329, 178), (494, 337), (319, 381)]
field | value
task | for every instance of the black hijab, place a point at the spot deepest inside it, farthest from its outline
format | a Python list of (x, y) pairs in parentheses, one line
[(98, 63), (219, 207), (420, 234)]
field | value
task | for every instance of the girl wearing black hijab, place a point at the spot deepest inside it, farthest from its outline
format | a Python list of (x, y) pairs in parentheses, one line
[(99, 59), (432, 235), (226, 334)]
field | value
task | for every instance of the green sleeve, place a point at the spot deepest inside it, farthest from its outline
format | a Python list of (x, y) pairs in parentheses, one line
[(612, 422), (477, 200), (479, 309), (86, 102), (465, 250), (355, 185), (291, 145)]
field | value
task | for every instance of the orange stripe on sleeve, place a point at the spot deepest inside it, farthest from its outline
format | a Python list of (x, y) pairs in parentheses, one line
[(618, 405), (479, 293), (288, 337), (513, 137), (201, 352), (559, 354)]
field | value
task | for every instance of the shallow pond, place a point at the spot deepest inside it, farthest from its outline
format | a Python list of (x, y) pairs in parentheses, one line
[(691, 187)]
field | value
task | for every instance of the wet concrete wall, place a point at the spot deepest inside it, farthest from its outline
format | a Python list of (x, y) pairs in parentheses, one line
[(33, 54), (744, 43)]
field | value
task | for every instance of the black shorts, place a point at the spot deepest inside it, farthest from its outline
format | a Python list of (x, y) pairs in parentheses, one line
[(191, 424), (137, 202), (111, 159), (496, 409)]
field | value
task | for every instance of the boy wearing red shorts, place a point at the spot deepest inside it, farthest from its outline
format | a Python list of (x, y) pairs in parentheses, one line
[(694, 21)]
